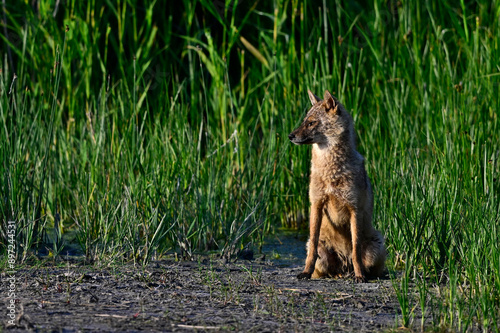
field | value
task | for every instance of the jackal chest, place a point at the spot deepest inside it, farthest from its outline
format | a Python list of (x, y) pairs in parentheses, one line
[(337, 212), (329, 187)]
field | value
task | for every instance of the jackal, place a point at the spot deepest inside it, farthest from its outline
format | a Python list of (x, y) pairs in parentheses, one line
[(341, 236)]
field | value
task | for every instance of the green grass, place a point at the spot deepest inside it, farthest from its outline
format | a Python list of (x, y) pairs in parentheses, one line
[(144, 130)]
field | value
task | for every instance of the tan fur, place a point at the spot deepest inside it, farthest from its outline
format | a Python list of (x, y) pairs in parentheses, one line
[(342, 239)]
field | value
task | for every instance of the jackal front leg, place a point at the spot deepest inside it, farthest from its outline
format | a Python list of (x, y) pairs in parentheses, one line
[(359, 272), (314, 228)]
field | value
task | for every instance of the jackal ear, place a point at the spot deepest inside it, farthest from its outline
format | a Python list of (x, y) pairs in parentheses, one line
[(313, 98), (330, 102)]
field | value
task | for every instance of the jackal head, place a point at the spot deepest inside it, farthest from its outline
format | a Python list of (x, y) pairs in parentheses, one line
[(324, 124)]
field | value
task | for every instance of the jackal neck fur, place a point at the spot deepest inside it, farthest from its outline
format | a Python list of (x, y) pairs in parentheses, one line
[(336, 163)]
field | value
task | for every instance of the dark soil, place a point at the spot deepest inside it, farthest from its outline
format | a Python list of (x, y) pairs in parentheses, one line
[(261, 295)]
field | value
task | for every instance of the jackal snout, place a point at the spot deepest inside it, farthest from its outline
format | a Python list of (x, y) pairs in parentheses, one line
[(301, 137), (305, 133)]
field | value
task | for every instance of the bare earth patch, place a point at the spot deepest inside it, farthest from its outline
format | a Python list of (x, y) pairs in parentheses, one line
[(205, 295)]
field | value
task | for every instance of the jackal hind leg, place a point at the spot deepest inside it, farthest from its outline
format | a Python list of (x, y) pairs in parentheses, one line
[(328, 263), (373, 256)]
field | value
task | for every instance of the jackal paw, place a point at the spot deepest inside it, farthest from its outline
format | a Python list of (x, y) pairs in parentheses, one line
[(360, 279), (304, 276)]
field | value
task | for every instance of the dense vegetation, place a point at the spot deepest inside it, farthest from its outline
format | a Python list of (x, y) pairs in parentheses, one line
[(139, 128)]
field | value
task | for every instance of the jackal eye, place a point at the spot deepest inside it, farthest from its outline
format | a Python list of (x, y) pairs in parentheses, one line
[(311, 123)]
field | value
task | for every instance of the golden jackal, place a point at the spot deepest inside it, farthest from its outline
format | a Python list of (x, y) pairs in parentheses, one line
[(341, 237)]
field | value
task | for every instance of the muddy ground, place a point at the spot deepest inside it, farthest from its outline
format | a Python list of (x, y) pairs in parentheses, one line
[(208, 294)]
